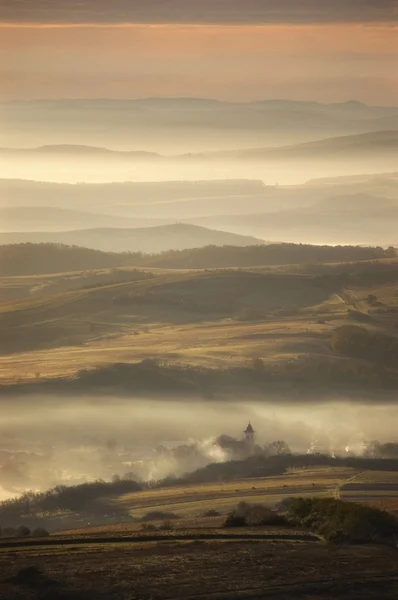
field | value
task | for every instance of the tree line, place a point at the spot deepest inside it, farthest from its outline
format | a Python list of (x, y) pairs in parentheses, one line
[(38, 259)]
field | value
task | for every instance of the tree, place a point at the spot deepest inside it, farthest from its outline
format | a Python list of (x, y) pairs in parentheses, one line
[(40, 532), (258, 364), (278, 447), (23, 531), (371, 299)]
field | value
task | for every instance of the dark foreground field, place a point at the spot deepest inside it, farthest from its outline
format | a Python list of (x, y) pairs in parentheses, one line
[(193, 569)]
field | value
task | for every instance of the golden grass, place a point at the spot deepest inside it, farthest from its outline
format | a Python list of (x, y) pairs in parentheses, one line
[(86, 328), (211, 344), (195, 499), (377, 477)]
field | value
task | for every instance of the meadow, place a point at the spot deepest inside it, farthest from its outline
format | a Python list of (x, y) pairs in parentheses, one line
[(54, 325)]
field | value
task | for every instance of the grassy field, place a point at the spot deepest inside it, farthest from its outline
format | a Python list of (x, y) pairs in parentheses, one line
[(197, 569), (194, 500), (379, 488), (194, 557), (184, 317), (58, 324), (225, 343)]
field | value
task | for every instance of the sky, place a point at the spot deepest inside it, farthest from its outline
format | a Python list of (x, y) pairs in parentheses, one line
[(324, 50)]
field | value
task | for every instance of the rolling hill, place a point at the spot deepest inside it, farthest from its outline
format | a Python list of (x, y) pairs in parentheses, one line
[(325, 157), (145, 239), (38, 259), (179, 125), (376, 144), (342, 219), (20, 192), (50, 218)]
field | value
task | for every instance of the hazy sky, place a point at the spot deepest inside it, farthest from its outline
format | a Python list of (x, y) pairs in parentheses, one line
[(326, 50)]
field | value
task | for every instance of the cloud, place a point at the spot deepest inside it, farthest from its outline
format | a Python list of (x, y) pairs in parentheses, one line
[(198, 11)]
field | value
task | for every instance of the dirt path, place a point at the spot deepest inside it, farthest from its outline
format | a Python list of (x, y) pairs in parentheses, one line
[(339, 486)]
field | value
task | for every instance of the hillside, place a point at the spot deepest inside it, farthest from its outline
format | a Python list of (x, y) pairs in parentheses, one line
[(75, 151), (21, 192), (376, 144), (38, 259), (272, 163), (366, 204), (50, 218), (145, 239), (207, 334), (178, 303), (357, 218), (178, 125), (184, 199), (383, 142)]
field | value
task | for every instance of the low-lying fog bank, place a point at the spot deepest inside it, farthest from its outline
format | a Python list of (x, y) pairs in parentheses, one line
[(50, 442)]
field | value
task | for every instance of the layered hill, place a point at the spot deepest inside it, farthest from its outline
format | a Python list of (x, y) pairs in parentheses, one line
[(51, 218), (376, 144), (178, 125), (145, 239), (39, 259), (343, 219), (344, 155)]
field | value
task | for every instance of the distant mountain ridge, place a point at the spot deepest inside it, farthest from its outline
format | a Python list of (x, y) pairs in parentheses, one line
[(378, 141), (53, 218), (374, 141), (148, 240), (181, 125)]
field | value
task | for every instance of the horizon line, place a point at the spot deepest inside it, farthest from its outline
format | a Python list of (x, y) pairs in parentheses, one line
[(193, 98), (193, 24)]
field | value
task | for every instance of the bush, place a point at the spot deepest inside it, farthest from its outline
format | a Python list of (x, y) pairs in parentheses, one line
[(40, 532), (235, 520), (22, 531), (341, 521), (358, 342), (254, 515), (212, 513), (77, 498), (356, 315), (148, 527), (159, 515), (166, 526)]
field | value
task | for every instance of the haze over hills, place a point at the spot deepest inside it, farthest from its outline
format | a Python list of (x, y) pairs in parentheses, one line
[(51, 218), (288, 164), (343, 209), (22, 192), (179, 125), (383, 142), (145, 239), (172, 256), (356, 219), (378, 143)]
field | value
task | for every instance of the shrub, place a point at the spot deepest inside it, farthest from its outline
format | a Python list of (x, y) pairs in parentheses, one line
[(166, 526), (357, 342), (148, 527), (341, 521), (159, 515), (235, 520), (23, 531), (78, 498), (356, 315), (212, 513), (40, 532), (255, 515)]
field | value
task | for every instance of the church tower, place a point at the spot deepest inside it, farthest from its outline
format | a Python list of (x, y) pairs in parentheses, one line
[(249, 438)]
